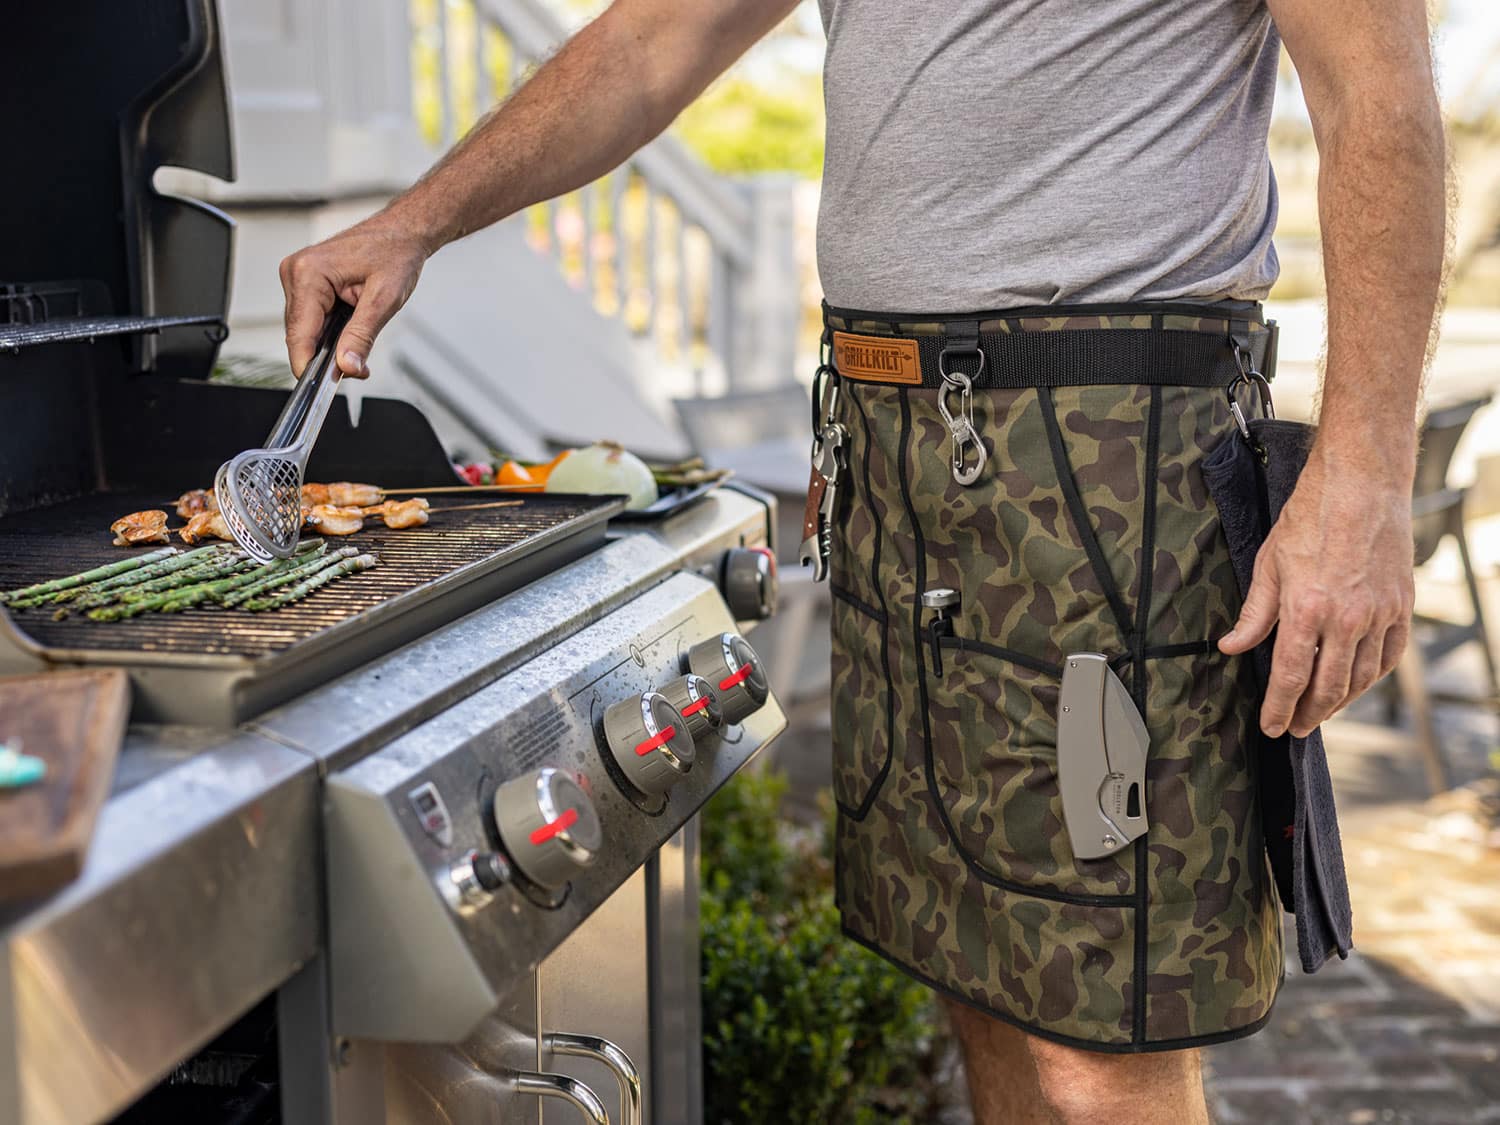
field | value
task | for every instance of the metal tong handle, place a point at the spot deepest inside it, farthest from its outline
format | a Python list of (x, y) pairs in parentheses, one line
[(309, 403)]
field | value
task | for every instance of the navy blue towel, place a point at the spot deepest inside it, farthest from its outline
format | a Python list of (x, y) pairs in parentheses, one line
[(1297, 811)]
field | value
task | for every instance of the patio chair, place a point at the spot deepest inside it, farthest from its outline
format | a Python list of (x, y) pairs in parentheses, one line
[(1438, 512)]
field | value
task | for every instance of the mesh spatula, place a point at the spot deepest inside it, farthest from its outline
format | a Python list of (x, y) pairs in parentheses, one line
[(260, 491)]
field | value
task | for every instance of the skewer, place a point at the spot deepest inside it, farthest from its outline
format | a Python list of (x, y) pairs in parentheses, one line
[(477, 507), (442, 488)]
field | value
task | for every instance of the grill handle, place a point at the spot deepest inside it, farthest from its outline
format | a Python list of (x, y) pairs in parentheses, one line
[(317, 386), (603, 1051), (559, 1086)]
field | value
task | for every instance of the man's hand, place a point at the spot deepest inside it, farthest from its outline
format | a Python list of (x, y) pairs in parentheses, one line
[(1336, 569), (1336, 574), (373, 267)]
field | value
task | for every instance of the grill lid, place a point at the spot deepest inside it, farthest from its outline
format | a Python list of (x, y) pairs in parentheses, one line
[(111, 93)]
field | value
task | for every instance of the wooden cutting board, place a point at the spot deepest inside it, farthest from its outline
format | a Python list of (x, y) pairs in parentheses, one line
[(73, 721)]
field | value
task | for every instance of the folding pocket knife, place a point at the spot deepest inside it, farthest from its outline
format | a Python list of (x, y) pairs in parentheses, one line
[(1101, 758)]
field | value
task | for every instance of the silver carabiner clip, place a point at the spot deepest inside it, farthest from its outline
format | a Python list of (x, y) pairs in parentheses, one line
[(1250, 376), (961, 429)]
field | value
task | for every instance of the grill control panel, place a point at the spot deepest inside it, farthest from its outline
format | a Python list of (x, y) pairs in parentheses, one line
[(558, 781)]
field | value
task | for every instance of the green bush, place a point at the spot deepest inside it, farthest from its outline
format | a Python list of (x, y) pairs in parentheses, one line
[(800, 1025)]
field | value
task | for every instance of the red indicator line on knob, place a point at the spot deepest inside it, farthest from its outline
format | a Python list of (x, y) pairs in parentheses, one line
[(653, 743), (738, 678), (565, 820), (694, 707)]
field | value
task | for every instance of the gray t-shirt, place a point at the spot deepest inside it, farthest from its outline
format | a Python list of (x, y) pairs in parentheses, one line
[(988, 154)]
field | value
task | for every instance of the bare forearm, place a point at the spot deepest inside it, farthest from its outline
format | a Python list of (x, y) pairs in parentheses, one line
[(616, 85), (1382, 208), (1334, 576)]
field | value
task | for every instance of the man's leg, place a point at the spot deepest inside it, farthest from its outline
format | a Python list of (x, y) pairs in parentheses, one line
[(1018, 1079)]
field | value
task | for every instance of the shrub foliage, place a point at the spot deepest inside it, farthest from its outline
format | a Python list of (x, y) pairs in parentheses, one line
[(800, 1025)]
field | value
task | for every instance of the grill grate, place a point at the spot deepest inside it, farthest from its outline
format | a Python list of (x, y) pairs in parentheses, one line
[(36, 546)]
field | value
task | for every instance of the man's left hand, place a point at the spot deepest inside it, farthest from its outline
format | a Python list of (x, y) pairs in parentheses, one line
[(1336, 574)]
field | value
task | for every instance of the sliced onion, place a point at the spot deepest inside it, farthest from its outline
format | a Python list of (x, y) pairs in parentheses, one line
[(605, 468)]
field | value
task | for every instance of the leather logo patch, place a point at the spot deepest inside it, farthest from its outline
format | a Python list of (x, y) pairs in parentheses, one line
[(877, 359)]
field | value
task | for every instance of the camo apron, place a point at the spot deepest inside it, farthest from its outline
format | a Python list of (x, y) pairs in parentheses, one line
[(1089, 528)]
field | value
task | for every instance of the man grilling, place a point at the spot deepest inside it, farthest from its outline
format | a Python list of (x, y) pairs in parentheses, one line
[(1045, 230)]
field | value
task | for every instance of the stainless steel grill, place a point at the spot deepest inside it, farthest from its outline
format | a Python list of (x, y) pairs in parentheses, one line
[(427, 576)]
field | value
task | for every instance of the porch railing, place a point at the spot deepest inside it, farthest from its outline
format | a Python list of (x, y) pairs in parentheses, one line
[(683, 258)]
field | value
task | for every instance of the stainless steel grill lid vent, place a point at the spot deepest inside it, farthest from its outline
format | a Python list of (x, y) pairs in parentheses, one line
[(260, 491)]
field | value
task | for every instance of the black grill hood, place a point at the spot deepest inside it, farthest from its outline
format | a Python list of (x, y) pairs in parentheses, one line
[(101, 93)]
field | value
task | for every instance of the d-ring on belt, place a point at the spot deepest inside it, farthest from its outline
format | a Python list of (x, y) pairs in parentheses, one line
[(1171, 344)]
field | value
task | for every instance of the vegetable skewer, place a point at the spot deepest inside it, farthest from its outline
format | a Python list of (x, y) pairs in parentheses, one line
[(87, 576), (308, 585)]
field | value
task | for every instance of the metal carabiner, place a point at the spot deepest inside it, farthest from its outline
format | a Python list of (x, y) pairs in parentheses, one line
[(961, 429), (1250, 376)]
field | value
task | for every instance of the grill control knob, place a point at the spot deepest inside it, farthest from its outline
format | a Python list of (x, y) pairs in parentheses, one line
[(650, 742), (747, 576), (548, 825), (698, 703), (474, 879), (729, 663)]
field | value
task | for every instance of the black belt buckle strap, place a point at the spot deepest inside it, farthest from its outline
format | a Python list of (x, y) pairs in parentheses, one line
[(1000, 350)]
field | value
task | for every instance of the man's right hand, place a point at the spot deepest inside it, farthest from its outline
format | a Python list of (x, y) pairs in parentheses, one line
[(373, 267)]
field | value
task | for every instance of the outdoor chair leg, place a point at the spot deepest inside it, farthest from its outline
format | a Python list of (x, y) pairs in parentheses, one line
[(1479, 626), (1411, 674), (1390, 691)]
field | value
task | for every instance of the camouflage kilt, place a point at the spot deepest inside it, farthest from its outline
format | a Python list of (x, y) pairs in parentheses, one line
[(952, 858)]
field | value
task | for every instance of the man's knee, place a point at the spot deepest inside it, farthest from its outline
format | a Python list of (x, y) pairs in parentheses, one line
[(1082, 1087)]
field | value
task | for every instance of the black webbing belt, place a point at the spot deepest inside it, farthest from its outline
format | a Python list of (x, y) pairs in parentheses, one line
[(1065, 357)]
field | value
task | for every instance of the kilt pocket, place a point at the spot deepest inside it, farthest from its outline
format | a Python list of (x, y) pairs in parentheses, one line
[(861, 715), (993, 746)]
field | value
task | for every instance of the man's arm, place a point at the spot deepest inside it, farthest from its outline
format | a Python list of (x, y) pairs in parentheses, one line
[(616, 85), (1336, 571)]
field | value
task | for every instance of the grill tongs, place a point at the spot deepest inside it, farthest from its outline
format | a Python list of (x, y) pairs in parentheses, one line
[(260, 491)]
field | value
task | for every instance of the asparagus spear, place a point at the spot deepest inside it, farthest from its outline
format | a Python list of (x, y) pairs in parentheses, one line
[(222, 565), (87, 576), (311, 566), (130, 578), (183, 597), (308, 585)]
